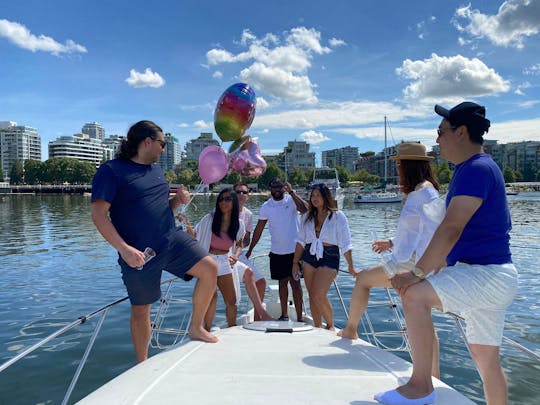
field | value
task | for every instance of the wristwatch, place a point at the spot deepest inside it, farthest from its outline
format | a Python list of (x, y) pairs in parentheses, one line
[(417, 271)]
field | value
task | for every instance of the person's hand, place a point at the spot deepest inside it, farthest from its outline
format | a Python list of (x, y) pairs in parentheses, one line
[(133, 257), (402, 281), (379, 246), (352, 271), (287, 187), (232, 260), (296, 271), (182, 195)]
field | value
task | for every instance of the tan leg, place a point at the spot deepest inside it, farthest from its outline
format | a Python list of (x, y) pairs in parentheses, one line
[(283, 295), (253, 294), (140, 330), (309, 277), (493, 377), (206, 272), (365, 280), (323, 277), (226, 286)]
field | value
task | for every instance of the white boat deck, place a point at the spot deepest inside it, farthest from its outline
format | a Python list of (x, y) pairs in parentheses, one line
[(258, 367)]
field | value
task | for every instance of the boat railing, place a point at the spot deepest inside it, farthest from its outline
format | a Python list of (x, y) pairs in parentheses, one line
[(179, 332)]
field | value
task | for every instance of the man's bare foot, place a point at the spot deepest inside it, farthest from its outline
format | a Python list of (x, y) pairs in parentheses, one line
[(330, 328), (202, 335), (348, 333)]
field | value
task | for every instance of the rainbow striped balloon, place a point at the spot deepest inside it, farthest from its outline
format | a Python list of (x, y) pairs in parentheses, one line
[(234, 112)]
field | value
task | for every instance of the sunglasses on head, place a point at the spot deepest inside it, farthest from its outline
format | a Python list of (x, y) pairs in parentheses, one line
[(227, 198)]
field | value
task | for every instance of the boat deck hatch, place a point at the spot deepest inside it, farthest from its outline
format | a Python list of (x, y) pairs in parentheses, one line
[(278, 326)]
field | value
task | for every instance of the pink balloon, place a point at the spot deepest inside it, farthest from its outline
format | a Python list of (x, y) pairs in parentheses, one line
[(247, 161), (213, 164)]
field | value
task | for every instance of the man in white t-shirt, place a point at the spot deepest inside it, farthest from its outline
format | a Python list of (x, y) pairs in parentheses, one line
[(281, 211), (242, 191)]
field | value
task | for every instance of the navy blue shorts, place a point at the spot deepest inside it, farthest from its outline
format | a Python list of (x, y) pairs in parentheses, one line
[(281, 265), (330, 257), (181, 253)]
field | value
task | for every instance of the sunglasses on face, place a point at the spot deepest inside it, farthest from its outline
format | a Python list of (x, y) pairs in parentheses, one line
[(242, 192), (162, 143), (228, 198)]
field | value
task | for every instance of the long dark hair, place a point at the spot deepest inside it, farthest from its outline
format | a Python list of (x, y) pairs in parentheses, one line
[(136, 134), (329, 202), (414, 172), (235, 215)]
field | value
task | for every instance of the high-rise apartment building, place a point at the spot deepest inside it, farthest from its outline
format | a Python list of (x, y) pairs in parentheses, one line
[(94, 130), (345, 157), (297, 154), (194, 147), (172, 154), (80, 147), (113, 143), (17, 142)]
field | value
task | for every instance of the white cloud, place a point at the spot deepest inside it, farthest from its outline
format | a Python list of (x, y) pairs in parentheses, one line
[(448, 78), (515, 20), (21, 36), (278, 66), (183, 125), (146, 79), (519, 90), (262, 104), (313, 137), (217, 74), (202, 124), (335, 42), (533, 70)]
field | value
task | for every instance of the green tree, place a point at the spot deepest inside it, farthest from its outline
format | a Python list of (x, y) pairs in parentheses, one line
[(442, 172), (509, 175), (365, 177), (33, 171), (367, 154), (170, 176), (232, 178), (185, 177), (298, 178), (16, 176), (84, 173), (272, 170), (344, 175)]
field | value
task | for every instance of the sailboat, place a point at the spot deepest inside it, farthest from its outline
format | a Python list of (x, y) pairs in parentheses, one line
[(381, 196)]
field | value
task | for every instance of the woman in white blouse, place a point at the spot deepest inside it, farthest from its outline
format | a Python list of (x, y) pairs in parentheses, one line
[(416, 224), (324, 233)]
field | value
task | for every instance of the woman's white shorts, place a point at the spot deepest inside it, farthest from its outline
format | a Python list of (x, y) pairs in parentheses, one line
[(480, 294)]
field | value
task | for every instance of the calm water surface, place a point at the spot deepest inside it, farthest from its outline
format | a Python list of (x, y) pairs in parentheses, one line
[(55, 267)]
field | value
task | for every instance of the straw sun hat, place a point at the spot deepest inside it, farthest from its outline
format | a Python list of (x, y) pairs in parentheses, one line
[(411, 151)]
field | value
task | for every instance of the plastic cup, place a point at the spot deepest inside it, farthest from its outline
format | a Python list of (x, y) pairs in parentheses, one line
[(149, 254)]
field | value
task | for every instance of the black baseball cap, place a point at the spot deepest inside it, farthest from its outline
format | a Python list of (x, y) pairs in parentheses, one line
[(470, 114)]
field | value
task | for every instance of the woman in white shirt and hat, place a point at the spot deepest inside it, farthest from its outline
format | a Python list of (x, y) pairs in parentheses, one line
[(420, 216), (324, 234)]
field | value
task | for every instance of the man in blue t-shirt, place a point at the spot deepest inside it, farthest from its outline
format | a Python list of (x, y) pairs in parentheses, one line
[(479, 280), (131, 208)]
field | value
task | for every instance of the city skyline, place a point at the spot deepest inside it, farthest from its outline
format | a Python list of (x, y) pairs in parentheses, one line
[(324, 75)]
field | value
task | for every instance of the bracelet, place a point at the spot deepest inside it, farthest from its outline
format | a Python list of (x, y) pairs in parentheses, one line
[(417, 271)]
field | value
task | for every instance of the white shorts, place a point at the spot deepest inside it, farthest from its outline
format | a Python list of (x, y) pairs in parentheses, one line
[(237, 271), (256, 272), (480, 294)]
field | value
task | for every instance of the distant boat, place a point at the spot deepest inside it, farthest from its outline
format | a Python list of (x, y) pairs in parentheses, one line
[(511, 191), (381, 196), (329, 177)]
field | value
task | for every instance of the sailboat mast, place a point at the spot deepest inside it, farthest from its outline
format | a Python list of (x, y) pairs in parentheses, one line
[(385, 156)]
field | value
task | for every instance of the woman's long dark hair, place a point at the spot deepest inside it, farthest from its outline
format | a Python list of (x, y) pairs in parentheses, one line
[(414, 172), (136, 134), (235, 215), (329, 202)]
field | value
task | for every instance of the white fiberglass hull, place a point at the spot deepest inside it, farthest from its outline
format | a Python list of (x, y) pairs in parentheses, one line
[(257, 367)]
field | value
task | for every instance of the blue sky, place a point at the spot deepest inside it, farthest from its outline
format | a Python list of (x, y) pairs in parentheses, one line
[(324, 72)]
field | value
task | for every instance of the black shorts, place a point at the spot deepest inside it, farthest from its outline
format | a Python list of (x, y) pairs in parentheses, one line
[(281, 265), (330, 257), (181, 253)]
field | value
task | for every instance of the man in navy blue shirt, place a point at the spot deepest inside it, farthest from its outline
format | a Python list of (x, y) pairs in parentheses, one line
[(479, 280), (131, 208)]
